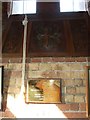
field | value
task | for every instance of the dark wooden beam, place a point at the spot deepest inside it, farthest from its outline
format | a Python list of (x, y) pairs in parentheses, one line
[(60, 16), (69, 39)]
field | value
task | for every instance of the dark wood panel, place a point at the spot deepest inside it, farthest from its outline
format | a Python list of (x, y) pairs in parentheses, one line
[(79, 31), (13, 40), (88, 35), (48, 8), (47, 38), (47, 16), (69, 39)]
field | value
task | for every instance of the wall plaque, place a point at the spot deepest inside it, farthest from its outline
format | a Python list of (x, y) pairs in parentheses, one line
[(43, 91)]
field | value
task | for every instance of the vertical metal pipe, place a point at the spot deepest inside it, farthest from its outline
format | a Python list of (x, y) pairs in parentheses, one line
[(25, 21)]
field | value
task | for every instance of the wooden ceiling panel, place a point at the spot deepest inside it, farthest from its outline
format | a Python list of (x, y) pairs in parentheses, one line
[(66, 34), (47, 38), (13, 40), (79, 32), (48, 8)]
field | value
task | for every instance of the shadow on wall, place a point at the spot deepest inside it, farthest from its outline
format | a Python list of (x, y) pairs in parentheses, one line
[(22, 110), (6, 84)]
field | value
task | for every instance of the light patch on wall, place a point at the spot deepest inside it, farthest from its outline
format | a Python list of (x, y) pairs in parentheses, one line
[(21, 110)]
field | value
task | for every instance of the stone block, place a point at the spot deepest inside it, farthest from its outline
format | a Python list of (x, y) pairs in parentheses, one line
[(12, 82), (1, 115), (16, 74), (7, 74), (84, 82), (76, 115), (32, 66), (8, 114), (81, 90), (69, 82), (14, 90), (80, 59), (82, 106), (69, 98), (64, 107), (6, 82), (63, 74), (34, 74), (36, 60), (61, 66), (11, 89), (78, 82), (74, 107), (18, 82), (82, 74), (58, 59), (45, 66), (70, 90), (57, 66), (17, 90), (74, 74), (13, 66), (47, 59), (76, 66), (49, 74), (79, 98)]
